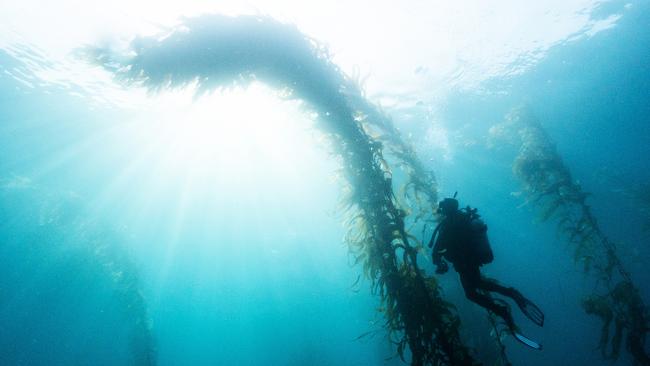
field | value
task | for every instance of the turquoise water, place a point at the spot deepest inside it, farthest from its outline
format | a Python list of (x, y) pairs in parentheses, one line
[(160, 228)]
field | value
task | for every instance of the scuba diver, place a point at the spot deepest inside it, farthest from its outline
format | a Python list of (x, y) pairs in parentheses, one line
[(461, 238)]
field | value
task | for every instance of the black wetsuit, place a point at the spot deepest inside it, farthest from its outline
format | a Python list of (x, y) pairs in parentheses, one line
[(454, 244)]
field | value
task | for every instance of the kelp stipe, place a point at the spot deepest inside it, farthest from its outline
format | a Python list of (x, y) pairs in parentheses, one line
[(550, 187), (66, 236), (215, 52), (126, 286), (419, 193)]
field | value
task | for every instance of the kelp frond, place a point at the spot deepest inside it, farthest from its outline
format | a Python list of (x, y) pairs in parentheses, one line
[(218, 52), (550, 186)]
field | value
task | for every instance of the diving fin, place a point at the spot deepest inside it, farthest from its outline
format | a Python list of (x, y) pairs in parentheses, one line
[(529, 309), (527, 341)]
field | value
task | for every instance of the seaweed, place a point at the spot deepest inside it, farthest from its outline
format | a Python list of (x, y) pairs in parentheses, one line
[(219, 52), (116, 264), (550, 186), (62, 228)]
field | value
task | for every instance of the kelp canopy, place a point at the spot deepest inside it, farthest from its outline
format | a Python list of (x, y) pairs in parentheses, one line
[(213, 52), (550, 187)]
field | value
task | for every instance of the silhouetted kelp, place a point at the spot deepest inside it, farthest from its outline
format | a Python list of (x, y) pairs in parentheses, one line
[(59, 230), (550, 187), (215, 52)]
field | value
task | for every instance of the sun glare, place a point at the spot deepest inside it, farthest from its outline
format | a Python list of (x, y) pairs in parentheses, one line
[(226, 128), (229, 137)]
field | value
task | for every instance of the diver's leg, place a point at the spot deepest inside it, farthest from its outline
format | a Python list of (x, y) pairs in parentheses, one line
[(529, 309), (492, 285), (472, 282), (470, 279)]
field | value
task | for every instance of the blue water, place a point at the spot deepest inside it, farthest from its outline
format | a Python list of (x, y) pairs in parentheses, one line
[(114, 232)]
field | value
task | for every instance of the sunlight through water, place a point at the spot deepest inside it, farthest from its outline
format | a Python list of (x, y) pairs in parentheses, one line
[(255, 182)]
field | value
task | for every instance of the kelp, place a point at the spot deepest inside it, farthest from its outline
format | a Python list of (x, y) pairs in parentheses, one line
[(217, 52), (550, 187), (499, 334), (62, 231), (116, 265), (622, 306), (419, 193)]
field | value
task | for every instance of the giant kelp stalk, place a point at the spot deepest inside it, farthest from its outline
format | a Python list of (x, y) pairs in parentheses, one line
[(550, 187), (419, 192), (116, 265), (61, 233), (213, 52)]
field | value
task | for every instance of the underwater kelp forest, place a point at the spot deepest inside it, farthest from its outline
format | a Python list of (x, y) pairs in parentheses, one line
[(324, 183)]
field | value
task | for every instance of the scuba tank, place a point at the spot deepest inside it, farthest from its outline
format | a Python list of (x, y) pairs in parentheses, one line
[(470, 233), (478, 241)]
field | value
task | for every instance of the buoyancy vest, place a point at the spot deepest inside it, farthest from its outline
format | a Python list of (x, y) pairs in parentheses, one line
[(463, 238)]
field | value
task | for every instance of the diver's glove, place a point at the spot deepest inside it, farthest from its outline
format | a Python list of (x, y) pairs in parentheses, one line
[(443, 267)]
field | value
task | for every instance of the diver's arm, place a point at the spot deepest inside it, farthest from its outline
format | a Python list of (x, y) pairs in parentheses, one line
[(436, 257)]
